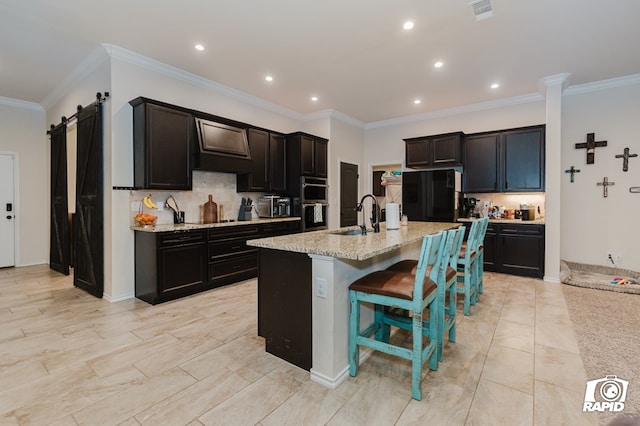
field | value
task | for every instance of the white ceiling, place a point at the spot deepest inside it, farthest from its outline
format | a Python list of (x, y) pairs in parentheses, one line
[(352, 54)]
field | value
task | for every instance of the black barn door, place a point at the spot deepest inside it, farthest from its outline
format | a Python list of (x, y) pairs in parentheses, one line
[(59, 240), (348, 194), (89, 236)]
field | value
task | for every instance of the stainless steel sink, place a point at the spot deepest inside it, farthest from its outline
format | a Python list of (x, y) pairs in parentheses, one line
[(350, 232)]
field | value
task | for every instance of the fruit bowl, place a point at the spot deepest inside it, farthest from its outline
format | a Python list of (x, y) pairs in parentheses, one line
[(144, 219)]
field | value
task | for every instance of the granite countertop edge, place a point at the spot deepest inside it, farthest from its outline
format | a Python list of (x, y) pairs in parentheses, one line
[(170, 227)]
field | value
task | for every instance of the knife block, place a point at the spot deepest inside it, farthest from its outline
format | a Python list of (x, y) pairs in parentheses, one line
[(244, 213)]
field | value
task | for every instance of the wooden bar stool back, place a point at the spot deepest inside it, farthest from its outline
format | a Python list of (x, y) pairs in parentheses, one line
[(410, 292)]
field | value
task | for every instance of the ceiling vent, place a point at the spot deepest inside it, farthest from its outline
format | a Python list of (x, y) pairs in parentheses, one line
[(482, 9)]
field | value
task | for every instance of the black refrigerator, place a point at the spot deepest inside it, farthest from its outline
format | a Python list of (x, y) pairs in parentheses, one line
[(431, 195)]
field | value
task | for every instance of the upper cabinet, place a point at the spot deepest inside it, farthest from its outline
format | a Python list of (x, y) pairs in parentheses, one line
[(505, 161), (434, 151), (268, 160), (307, 155), (162, 141)]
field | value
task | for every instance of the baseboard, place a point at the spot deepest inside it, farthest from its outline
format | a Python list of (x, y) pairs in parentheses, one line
[(117, 299), (334, 382)]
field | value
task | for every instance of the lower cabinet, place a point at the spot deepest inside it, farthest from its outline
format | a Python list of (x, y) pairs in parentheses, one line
[(516, 249), (170, 265)]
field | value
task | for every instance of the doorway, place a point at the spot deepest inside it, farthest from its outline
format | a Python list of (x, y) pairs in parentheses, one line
[(7, 207), (348, 194)]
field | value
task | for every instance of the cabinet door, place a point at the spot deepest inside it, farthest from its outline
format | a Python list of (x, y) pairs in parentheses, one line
[(277, 163), (481, 163), (417, 153), (307, 158), (445, 150), (259, 148), (321, 149), (524, 160), (165, 162), (181, 267), (490, 241), (522, 250)]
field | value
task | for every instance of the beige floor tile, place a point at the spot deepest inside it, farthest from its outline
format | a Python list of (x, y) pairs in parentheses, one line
[(556, 335), (509, 367), (555, 405), (254, 402), (496, 404), (514, 335), (560, 368), (519, 313), (442, 403), (195, 400)]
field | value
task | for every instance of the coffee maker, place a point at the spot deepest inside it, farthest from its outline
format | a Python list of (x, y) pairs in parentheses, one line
[(469, 207)]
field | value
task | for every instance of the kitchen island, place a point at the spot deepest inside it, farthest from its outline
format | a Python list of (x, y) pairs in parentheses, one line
[(303, 298)]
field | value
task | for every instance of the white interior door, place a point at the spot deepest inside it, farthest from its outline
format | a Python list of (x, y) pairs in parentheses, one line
[(7, 209)]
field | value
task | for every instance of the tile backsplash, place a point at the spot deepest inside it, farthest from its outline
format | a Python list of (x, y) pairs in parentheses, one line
[(222, 187), (510, 201)]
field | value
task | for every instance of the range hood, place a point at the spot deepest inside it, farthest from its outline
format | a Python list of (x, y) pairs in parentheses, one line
[(222, 147)]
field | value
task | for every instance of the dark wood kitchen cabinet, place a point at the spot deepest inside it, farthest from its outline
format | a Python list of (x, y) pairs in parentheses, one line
[(268, 163), (516, 249), (162, 139), (505, 161), (230, 259), (434, 151), (169, 265), (307, 155)]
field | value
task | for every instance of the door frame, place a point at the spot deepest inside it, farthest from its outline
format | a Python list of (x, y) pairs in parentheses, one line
[(16, 205)]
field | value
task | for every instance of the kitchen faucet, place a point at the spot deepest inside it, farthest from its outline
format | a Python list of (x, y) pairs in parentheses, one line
[(375, 214)]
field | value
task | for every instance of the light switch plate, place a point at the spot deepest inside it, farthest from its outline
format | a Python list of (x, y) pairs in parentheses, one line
[(321, 288)]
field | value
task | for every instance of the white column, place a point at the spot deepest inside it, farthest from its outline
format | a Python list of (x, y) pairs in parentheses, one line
[(553, 87)]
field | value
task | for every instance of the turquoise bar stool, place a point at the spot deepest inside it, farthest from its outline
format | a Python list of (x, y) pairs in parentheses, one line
[(447, 295), (467, 267), (413, 293), (480, 264)]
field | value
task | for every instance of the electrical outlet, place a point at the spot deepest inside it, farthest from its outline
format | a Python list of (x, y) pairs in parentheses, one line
[(486, 204), (321, 288), (160, 206), (135, 206)]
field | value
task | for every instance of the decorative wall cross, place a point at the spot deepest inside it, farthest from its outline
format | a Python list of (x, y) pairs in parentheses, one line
[(573, 171), (605, 184), (626, 156), (591, 144)]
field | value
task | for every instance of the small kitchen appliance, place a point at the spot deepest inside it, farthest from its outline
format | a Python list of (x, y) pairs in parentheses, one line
[(469, 207), (274, 206)]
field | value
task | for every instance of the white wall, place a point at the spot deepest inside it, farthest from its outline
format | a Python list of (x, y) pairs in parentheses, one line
[(591, 225), (23, 133)]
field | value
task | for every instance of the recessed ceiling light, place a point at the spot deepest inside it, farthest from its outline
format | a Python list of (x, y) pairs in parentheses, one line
[(199, 47), (408, 25), (495, 85), (268, 78), (417, 102), (314, 98), (438, 64)]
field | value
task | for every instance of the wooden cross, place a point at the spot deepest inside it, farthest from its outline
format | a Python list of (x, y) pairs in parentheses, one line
[(626, 156), (573, 171), (591, 146), (605, 184)]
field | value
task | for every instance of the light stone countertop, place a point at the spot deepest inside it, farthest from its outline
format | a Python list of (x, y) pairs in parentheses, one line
[(353, 247), (539, 221), (190, 226)]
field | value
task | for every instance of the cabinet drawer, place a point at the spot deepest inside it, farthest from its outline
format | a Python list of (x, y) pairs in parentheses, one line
[(180, 238), (226, 248), (533, 230), (227, 232), (279, 228), (234, 269)]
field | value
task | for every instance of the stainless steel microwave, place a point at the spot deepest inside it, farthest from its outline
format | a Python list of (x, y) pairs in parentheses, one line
[(274, 206)]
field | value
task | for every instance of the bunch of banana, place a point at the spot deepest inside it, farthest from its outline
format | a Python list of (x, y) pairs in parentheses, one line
[(148, 202)]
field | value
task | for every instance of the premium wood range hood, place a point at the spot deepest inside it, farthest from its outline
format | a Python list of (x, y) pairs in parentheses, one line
[(222, 147)]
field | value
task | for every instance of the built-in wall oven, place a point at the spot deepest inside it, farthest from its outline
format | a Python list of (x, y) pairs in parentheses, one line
[(313, 203)]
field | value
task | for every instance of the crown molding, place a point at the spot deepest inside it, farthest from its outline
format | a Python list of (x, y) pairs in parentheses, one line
[(96, 58), (482, 106), (17, 103), (145, 62), (333, 114), (603, 84)]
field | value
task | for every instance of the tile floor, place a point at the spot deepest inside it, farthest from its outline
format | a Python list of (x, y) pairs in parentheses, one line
[(67, 358)]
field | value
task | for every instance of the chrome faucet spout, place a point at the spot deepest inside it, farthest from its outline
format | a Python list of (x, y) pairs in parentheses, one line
[(375, 214)]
